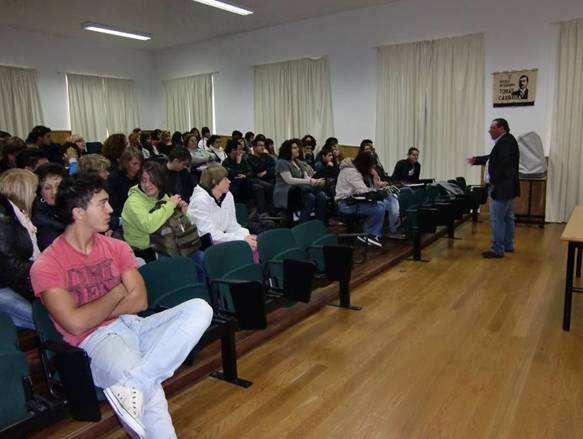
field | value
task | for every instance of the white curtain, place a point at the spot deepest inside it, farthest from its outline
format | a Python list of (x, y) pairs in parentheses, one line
[(189, 102), (101, 106), (431, 95), (121, 104), (19, 100), (566, 155), (293, 99)]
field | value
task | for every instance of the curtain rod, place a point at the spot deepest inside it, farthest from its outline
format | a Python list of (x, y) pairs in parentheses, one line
[(191, 76), (311, 58), (95, 75)]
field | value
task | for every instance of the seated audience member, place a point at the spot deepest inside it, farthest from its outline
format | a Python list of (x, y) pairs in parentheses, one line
[(146, 145), (165, 142), (31, 158), (409, 169), (18, 244), (356, 178), (212, 209), (368, 145), (122, 179), (40, 137), (140, 215), (248, 141), (270, 147), (218, 155), (332, 142), (236, 135), (79, 141), (262, 164), (176, 169), (196, 133), (325, 166), (200, 157), (44, 213), (95, 163), (71, 153), (93, 293), (134, 140), (113, 147), (239, 171), (308, 147), (289, 174), (205, 133), (177, 139), (13, 146)]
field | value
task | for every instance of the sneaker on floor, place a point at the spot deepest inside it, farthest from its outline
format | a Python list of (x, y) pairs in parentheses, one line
[(128, 405), (370, 240), (491, 255)]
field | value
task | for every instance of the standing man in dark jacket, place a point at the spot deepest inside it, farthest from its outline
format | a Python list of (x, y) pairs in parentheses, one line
[(501, 176)]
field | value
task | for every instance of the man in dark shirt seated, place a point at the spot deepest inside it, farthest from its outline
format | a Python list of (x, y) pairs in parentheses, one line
[(407, 171), (176, 168), (262, 174)]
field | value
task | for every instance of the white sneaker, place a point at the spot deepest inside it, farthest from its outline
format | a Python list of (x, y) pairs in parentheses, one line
[(128, 405), (370, 240)]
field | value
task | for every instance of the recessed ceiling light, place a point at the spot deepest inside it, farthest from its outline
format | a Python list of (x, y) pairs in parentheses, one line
[(225, 6), (104, 29)]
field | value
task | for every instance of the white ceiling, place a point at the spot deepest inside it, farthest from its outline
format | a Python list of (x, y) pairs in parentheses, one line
[(171, 22)]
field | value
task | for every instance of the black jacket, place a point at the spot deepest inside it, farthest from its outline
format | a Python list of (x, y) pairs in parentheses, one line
[(180, 183), (402, 169), (46, 220), (15, 252), (235, 168), (262, 163), (118, 185), (503, 168)]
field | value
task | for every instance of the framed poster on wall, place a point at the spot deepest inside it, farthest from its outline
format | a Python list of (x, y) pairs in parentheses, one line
[(515, 89)]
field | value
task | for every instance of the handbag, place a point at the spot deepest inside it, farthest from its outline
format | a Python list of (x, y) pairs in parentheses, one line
[(177, 236)]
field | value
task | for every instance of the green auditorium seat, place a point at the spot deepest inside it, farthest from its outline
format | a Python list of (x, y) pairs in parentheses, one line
[(66, 369), (172, 281), (14, 377), (230, 267), (274, 247), (332, 259), (417, 217), (242, 214)]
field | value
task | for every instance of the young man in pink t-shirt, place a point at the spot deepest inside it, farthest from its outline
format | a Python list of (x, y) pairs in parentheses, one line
[(92, 290)]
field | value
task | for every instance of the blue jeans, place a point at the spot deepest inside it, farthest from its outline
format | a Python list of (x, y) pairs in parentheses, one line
[(374, 211), (501, 225), (314, 202), (391, 205), (143, 352), (17, 307)]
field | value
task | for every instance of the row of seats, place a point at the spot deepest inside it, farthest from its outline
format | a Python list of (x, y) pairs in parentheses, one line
[(240, 291)]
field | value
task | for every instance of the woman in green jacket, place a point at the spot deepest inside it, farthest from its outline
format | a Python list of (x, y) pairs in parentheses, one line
[(139, 218)]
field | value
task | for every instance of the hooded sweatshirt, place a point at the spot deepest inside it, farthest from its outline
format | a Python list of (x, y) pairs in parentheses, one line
[(350, 181), (215, 217), (137, 221)]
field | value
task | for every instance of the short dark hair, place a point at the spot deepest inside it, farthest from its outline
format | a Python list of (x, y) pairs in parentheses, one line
[(331, 141), (413, 148), (65, 146), (364, 143), (12, 146), (179, 153), (30, 158), (237, 134), (36, 132), (212, 139), (157, 175), (257, 139), (502, 123), (523, 76), (323, 151), (364, 162), (50, 169), (249, 135), (308, 139), (4, 134), (144, 138), (231, 145), (77, 192), (205, 130)]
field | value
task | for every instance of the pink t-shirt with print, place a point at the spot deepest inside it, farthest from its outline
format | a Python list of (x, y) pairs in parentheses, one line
[(86, 277)]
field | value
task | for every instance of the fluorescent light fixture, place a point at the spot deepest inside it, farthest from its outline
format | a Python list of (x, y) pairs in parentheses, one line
[(110, 30), (225, 6)]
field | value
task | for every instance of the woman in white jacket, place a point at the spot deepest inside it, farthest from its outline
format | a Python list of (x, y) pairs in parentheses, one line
[(212, 209)]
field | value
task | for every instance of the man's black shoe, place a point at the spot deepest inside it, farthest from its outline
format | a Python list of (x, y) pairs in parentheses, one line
[(491, 255), (509, 251)]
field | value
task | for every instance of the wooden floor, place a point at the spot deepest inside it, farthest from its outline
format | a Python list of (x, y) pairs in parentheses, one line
[(460, 347)]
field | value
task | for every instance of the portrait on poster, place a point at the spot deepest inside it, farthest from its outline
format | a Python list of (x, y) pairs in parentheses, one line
[(515, 89)]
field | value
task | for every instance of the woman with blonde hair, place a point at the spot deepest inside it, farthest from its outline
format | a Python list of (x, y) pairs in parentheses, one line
[(95, 163), (18, 244)]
